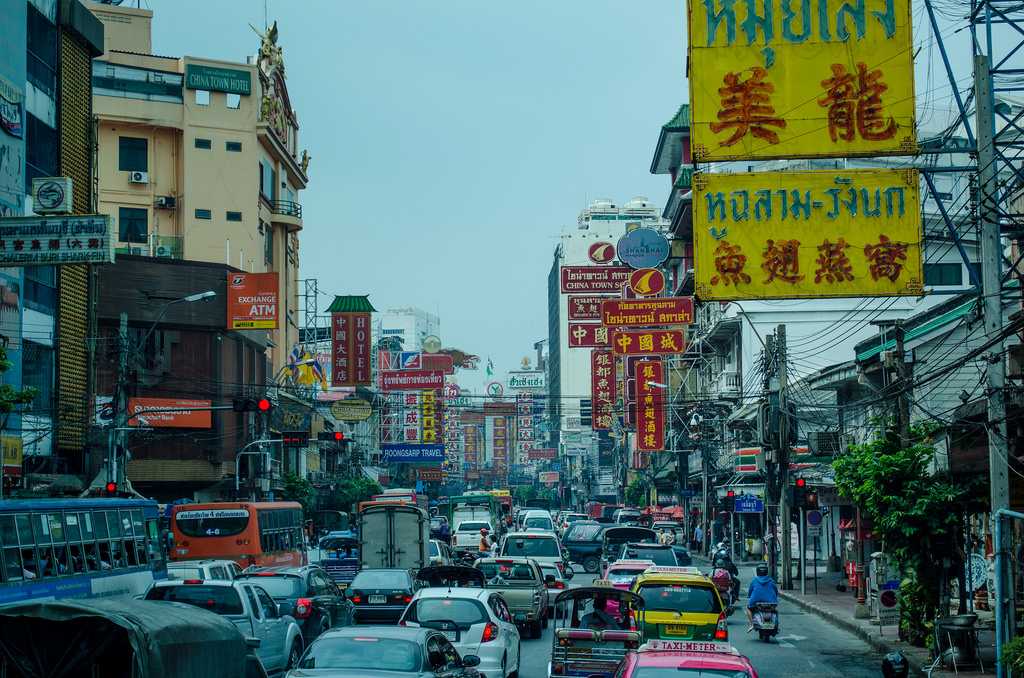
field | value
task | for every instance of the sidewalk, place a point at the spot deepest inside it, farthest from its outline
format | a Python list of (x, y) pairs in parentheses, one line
[(838, 608)]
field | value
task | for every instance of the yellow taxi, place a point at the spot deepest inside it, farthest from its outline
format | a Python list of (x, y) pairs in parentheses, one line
[(681, 604)]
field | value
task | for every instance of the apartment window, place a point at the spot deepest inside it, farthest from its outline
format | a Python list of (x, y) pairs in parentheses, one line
[(268, 179), (37, 372), (40, 148), (132, 154), (233, 216), (268, 244), (234, 100), (42, 51), (202, 97), (938, 275), (234, 146), (132, 225), (205, 144), (41, 288), (204, 214)]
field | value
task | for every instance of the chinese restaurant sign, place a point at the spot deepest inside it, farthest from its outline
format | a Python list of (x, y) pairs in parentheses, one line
[(647, 312), (781, 235), (650, 406), (32, 241), (788, 79), (350, 349), (252, 301), (652, 342), (602, 389), (588, 335), (594, 279), (585, 308)]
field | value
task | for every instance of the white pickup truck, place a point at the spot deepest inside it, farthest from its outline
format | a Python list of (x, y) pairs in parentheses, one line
[(467, 530), (250, 608)]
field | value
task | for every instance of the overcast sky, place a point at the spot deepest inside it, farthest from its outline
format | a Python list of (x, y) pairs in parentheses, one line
[(452, 139)]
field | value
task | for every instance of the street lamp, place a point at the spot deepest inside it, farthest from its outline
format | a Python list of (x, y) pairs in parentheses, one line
[(198, 296)]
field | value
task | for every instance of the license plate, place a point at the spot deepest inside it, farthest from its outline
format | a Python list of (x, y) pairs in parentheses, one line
[(451, 635), (677, 629), (378, 600)]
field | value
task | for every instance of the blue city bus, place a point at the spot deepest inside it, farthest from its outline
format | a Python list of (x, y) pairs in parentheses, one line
[(78, 548)]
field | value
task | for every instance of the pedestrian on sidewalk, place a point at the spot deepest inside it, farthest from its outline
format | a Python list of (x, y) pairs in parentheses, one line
[(698, 538)]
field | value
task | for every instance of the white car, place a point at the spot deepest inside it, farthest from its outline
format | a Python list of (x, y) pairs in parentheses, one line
[(439, 553), (543, 547), (537, 519), (226, 570), (476, 621), (560, 584), (467, 534)]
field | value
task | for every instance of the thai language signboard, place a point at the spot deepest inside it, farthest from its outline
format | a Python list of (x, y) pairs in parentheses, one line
[(585, 307), (60, 239), (594, 279), (785, 79), (411, 380), (252, 301), (650, 405), (647, 312), (648, 342), (350, 349), (602, 389), (781, 235)]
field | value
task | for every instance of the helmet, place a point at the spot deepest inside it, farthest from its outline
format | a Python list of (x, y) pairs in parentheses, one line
[(762, 570), (483, 530)]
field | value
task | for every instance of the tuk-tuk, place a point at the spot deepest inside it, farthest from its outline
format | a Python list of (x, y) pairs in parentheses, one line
[(613, 538), (588, 640), (458, 576), (339, 557), (122, 637)]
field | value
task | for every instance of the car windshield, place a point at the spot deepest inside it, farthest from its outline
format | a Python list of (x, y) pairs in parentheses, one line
[(583, 533), (660, 556), (462, 612), (673, 672), (381, 579), (186, 573), (434, 551), (218, 599), (471, 526), (511, 572), (530, 546), (680, 598), (278, 586), (539, 521), (363, 652)]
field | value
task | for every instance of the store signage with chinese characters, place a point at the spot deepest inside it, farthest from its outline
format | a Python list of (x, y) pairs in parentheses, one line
[(585, 307), (215, 79), (647, 282), (593, 279), (500, 442), (543, 453), (169, 413), (647, 312), (470, 445), (783, 80), (525, 434), (548, 477), (650, 406), (653, 342), (431, 417), (252, 301), (61, 239), (350, 349), (601, 252), (411, 380), (602, 389), (813, 234), (643, 248), (588, 335)]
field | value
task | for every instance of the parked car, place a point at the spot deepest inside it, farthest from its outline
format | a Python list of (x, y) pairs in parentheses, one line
[(387, 651), (203, 569), (523, 586), (476, 621), (317, 602), (555, 581), (249, 607), (380, 595), (582, 540)]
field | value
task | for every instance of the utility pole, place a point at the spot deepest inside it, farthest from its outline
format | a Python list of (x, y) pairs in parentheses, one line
[(902, 383), (771, 487), (783, 454), (115, 438), (995, 370)]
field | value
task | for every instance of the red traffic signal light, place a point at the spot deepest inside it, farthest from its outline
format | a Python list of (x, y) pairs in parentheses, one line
[(339, 436), (730, 493), (800, 482), (263, 405), (111, 488)]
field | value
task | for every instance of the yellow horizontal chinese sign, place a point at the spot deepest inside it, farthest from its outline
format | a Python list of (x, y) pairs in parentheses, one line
[(785, 235), (800, 79)]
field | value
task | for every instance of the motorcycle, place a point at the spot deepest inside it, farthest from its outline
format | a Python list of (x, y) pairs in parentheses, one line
[(723, 581), (765, 618)]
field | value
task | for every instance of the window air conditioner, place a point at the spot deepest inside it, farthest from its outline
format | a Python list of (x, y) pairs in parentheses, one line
[(162, 251), (166, 202), (138, 177)]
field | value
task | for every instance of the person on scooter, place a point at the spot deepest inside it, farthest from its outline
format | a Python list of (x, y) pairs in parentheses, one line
[(762, 590)]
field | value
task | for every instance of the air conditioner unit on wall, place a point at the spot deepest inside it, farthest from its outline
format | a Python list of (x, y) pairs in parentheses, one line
[(826, 442), (138, 177), (165, 202), (162, 251)]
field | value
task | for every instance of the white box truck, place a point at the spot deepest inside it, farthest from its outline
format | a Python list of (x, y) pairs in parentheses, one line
[(393, 535)]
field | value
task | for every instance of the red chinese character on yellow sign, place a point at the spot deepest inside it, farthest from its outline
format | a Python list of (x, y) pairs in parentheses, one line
[(833, 264), (781, 261), (729, 264), (747, 108), (886, 258), (854, 103)]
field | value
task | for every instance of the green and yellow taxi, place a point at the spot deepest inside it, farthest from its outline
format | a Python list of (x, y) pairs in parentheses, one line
[(681, 604)]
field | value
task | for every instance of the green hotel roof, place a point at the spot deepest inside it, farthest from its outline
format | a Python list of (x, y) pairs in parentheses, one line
[(351, 304), (680, 121)]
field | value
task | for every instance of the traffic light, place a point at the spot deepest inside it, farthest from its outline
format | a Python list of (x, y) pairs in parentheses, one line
[(262, 405), (111, 489), (799, 492), (729, 501), (295, 438), (811, 500), (332, 437)]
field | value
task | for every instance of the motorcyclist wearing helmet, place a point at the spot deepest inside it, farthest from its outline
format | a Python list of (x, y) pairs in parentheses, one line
[(762, 590), (485, 543)]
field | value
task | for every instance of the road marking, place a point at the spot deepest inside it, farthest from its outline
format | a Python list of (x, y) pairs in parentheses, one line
[(785, 644), (792, 637)]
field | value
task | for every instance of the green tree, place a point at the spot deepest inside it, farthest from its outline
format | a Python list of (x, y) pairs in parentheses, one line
[(637, 492), (298, 489), (914, 512), (10, 396), (350, 491), (521, 493)]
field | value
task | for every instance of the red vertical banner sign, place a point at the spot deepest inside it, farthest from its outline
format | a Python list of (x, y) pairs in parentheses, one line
[(650, 406), (602, 389), (350, 349)]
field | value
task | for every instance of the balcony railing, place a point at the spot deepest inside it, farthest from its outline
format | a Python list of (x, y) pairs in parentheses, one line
[(286, 207), (730, 383)]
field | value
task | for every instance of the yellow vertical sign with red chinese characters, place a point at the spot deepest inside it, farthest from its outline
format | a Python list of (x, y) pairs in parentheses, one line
[(800, 79), (785, 235)]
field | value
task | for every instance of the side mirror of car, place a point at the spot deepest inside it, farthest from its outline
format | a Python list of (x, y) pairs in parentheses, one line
[(471, 660)]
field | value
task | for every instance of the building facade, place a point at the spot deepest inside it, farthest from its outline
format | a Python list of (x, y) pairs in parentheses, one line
[(409, 325)]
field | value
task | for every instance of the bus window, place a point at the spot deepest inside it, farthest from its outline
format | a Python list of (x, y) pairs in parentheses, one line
[(113, 524), (11, 554), (99, 519), (56, 526)]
